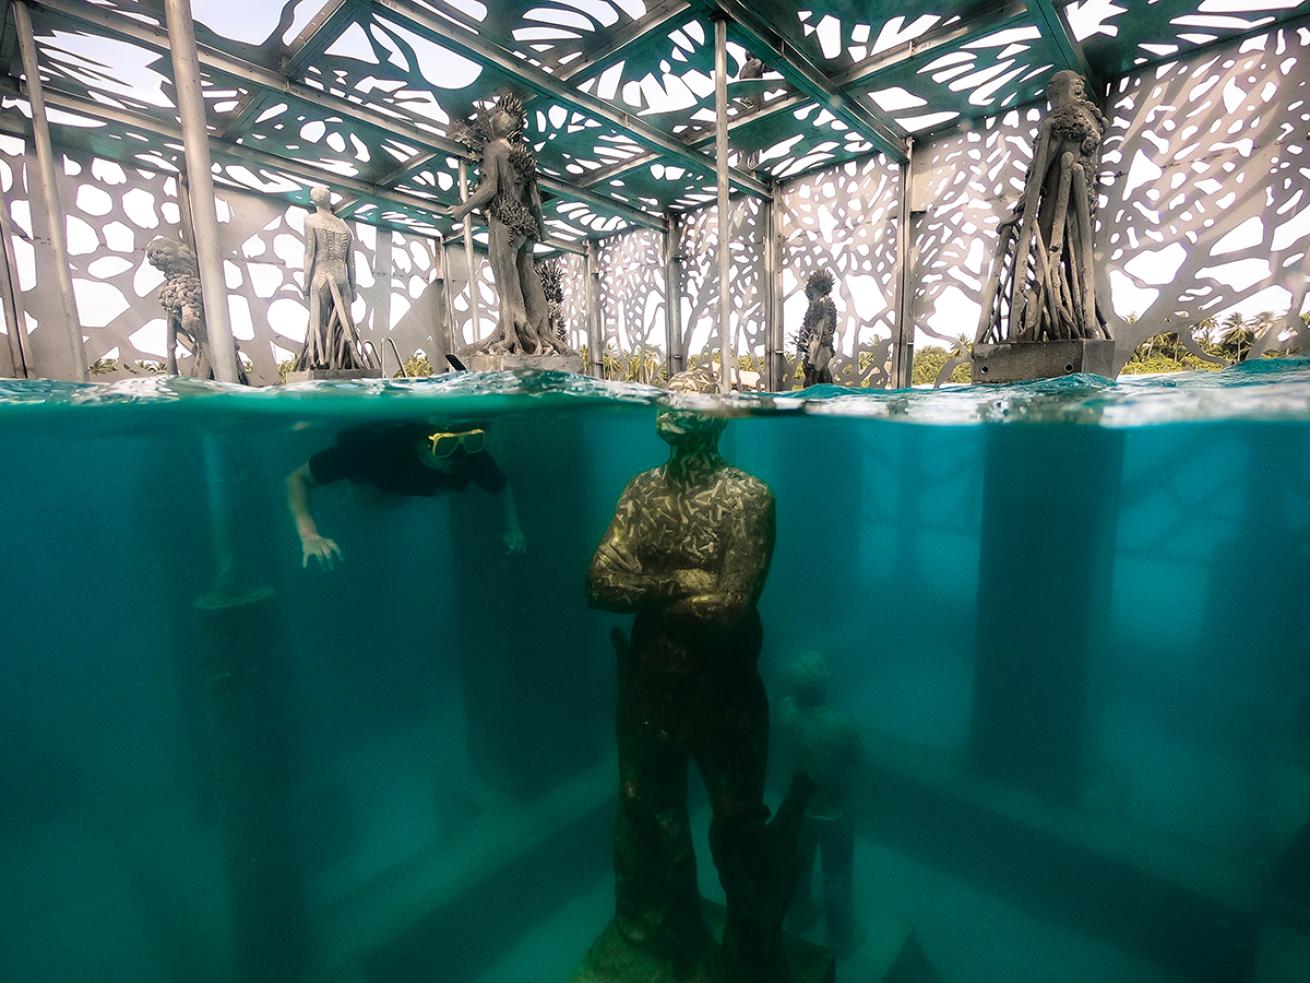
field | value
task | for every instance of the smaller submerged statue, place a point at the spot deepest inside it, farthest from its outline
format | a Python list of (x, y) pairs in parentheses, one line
[(815, 341), (552, 282), (332, 342), (823, 744), (507, 189), (184, 306), (1042, 286), (687, 552)]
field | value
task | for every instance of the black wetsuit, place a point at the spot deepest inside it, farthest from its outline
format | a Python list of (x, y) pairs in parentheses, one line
[(385, 456)]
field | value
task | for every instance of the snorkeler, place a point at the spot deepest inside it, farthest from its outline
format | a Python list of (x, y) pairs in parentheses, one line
[(404, 459)]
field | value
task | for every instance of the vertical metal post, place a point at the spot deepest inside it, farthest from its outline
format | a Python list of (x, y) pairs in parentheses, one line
[(673, 295), (595, 352), (721, 168), (470, 258), (903, 339), (775, 367), (199, 166), (187, 227), (447, 313), (45, 156), (11, 291)]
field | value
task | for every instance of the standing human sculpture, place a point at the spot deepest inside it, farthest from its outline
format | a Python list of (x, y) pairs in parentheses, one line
[(1042, 286), (818, 331), (507, 189), (332, 342), (824, 744), (184, 306), (688, 551)]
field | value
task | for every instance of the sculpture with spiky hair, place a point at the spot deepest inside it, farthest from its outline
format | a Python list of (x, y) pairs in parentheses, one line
[(552, 282), (507, 192), (814, 342)]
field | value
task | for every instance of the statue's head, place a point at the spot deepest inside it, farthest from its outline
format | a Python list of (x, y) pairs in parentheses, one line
[(685, 428), (1066, 88), (320, 196), (818, 285), (508, 116), (808, 676), (170, 256)]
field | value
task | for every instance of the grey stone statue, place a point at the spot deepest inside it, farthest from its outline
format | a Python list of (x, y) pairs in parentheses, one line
[(823, 743), (818, 331), (507, 189), (184, 306), (332, 341), (552, 282), (687, 552), (1042, 286)]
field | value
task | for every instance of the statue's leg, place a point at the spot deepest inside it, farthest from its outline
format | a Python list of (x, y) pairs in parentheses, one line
[(657, 901), (803, 911), (837, 848), (503, 252), (310, 355), (536, 306), (171, 342)]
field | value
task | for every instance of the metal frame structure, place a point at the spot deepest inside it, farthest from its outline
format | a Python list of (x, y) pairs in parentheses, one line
[(609, 152)]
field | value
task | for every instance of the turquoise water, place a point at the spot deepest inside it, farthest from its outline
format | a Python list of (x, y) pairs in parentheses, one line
[(1068, 620)]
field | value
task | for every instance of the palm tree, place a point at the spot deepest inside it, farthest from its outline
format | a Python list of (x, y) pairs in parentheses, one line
[(1238, 337)]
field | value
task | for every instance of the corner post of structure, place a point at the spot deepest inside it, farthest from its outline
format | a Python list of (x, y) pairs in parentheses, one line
[(45, 157), (673, 359), (903, 337), (595, 352), (721, 169), (446, 309), (12, 296), (470, 258), (776, 367), (199, 167)]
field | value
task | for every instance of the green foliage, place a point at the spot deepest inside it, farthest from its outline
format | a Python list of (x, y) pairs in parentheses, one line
[(416, 366), (284, 369), (103, 366), (930, 360)]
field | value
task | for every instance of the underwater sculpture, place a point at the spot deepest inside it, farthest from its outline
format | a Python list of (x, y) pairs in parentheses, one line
[(824, 744), (552, 283), (688, 551), (1043, 269), (507, 188), (814, 343), (184, 306), (332, 342)]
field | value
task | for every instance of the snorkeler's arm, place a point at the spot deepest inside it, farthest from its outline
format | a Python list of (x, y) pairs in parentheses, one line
[(514, 539), (745, 564), (312, 544), (488, 183)]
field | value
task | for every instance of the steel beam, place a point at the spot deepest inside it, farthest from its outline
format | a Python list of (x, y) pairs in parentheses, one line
[(470, 259), (903, 331), (1055, 27), (200, 172), (724, 199), (12, 293), (796, 67), (774, 333), (49, 177), (492, 55), (595, 340), (673, 297), (394, 126)]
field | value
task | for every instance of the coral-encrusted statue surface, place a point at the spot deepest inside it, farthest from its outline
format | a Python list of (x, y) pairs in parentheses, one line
[(815, 341), (1042, 286), (552, 282), (507, 190), (184, 305), (688, 551)]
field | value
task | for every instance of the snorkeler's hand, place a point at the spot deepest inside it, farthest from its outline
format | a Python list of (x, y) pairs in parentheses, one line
[(514, 541), (325, 550)]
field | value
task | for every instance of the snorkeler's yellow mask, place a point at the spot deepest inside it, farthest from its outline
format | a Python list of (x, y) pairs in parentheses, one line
[(445, 443)]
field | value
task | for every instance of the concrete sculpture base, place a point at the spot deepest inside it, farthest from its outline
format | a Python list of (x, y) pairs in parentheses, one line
[(542, 363), (1022, 360), (317, 375)]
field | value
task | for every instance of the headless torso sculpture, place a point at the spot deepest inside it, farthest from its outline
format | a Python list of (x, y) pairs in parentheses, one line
[(332, 342), (687, 552), (507, 189)]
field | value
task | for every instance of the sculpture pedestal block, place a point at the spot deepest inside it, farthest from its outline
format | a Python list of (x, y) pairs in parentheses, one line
[(315, 375), (1018, 361), (542, 363), (613, 959)]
